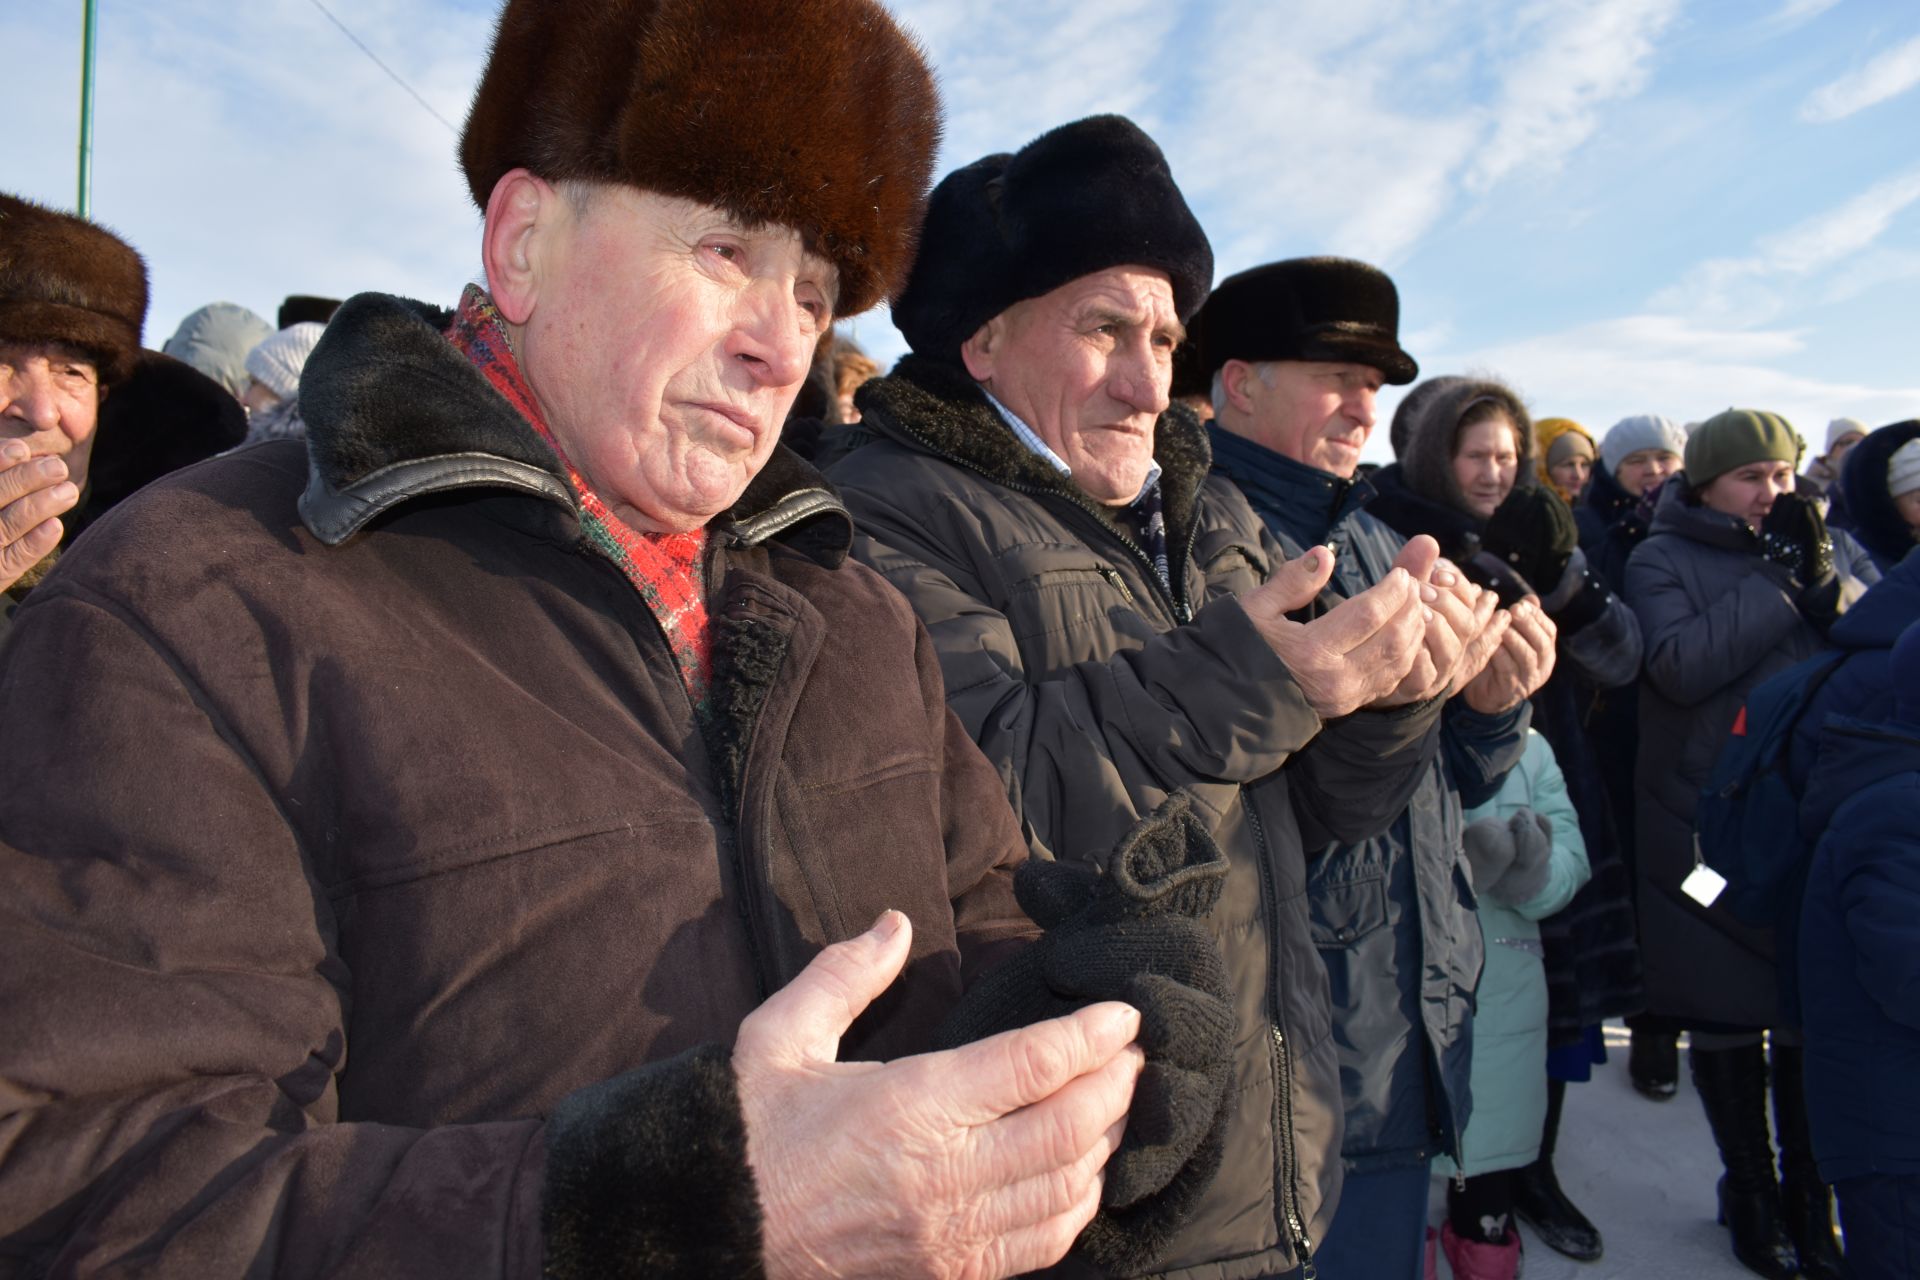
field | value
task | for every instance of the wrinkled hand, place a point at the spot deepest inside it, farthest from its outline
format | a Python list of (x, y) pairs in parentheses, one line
[(33, 494), (1520, 665), (977, 1163), (1457, 612), (1357, 652), (1485, 642)]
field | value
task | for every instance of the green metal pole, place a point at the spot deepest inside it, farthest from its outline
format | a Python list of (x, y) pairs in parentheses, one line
[(90, 8)]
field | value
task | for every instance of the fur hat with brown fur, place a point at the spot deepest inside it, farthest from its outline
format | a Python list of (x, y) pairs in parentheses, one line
[(63, 279), (820, 116)]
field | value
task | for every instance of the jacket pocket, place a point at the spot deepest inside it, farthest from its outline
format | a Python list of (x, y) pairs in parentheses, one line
[(1343, 912), (1064, 593)]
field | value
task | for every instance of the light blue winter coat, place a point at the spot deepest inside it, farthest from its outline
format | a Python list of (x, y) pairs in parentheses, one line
[(1510, 1015)]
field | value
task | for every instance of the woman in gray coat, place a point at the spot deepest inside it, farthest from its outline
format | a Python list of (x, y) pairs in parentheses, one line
[(1734, 582)]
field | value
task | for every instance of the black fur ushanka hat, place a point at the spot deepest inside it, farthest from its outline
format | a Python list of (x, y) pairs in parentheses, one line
[(821, 116), (1079, 199), (63, 279), (1332, 309)]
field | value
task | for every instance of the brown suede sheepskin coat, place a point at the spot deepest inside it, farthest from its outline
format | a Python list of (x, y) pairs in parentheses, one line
[(373, 901)]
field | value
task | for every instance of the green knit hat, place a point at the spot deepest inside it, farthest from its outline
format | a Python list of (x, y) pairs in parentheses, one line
[(1735, 437)]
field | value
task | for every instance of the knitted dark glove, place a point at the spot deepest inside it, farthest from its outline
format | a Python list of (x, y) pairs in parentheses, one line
[(1522, 881), (1490, 852), (1136, 934), (1535, 533), (1484, 569), (1794, 536)]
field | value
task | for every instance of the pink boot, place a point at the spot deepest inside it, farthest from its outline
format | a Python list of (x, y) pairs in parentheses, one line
[(1433, 1267), (1472, 1260)]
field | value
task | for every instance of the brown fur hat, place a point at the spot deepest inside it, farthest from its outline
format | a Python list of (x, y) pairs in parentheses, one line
[(821, 116), (63, 279)]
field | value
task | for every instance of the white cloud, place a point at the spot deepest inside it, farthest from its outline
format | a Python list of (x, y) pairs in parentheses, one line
[(253, 152), (1755, 288), (1795, 12), (1888, 75), (1572, 61), (1599, 373)]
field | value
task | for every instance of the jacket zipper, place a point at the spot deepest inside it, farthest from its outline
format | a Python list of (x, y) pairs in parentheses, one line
[(728, 830), (1280, 1058), (1179, 610)]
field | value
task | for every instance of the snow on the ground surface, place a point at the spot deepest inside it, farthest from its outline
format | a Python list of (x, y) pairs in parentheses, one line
[(1644, 1172)]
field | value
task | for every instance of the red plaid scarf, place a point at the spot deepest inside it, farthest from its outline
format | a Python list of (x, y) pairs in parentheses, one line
[(665, 568)]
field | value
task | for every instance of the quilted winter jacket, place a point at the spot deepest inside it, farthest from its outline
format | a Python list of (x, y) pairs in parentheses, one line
[(1096, 691), (376, 901), (1717, 620), (1510, 1016)]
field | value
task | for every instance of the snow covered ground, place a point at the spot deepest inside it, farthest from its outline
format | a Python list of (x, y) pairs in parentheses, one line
[(1645, 1172)]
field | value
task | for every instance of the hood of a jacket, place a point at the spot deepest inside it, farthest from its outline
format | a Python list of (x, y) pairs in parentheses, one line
[(1876, 521), (930, 406), (1306, 501), (1676, 513), (1606, 497), (1431, 426), (395, 413), (1854, 755), (1890, 606)]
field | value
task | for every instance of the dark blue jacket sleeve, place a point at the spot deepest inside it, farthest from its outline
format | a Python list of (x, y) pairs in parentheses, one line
[(1479, 750)]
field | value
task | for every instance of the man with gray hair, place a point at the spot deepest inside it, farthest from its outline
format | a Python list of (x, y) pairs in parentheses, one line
[(506, 836), (1297, 351), (1114, 627)]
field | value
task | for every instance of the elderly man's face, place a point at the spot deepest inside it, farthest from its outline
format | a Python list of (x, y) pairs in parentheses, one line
[(1317, 412), (50, 397), (665, 344), (1088, 367)]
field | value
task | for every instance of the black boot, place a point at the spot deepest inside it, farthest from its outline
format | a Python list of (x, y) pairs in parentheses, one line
[(1733, 1089), (1653, 1058), (1542, 1205), (1803, 1194)]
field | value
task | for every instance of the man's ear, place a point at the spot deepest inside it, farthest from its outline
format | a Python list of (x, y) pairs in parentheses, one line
[(1234, 377), (521, 214), (977, 352)]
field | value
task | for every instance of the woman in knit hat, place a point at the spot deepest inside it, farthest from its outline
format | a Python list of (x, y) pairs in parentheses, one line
[(1466, 474), (1567, 454), (1842, 435), (272, 396), (1734, 583)]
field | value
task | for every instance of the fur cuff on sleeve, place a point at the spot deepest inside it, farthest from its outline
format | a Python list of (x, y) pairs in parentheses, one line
[(647, 1176)]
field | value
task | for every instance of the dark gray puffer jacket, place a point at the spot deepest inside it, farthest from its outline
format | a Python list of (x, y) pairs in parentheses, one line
[(1717, 620), (1097, 691)]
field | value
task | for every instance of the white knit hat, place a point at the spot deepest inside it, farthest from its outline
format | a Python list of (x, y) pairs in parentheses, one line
[(277, 361), (1642, 431), (1903, 468), (1840, 428)]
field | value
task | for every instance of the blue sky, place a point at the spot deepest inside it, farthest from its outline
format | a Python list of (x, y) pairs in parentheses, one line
[(1621, 206)]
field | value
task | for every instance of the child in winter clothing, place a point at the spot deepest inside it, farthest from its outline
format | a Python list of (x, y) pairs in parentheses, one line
[(1860, 975), (1528, 859)]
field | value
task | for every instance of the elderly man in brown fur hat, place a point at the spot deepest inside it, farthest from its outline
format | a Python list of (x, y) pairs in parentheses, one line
[(537, 765), (72, 299)]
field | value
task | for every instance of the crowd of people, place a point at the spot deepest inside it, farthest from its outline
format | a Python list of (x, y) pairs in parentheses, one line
[(646, 793)]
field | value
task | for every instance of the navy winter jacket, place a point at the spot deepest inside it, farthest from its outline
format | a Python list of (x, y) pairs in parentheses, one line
[(1860, 950), (1393, 916)]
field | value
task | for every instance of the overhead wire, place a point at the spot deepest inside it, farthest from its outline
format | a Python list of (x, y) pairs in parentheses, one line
[(391, 73)]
